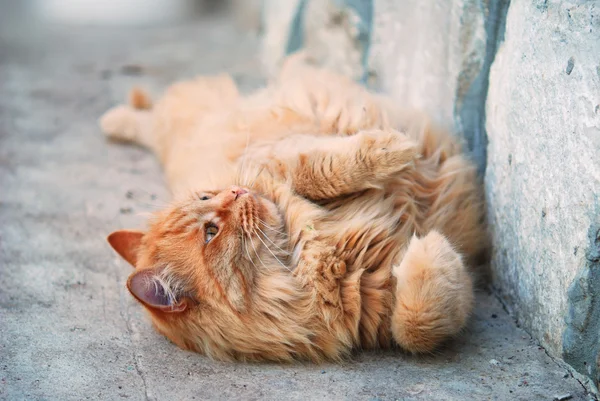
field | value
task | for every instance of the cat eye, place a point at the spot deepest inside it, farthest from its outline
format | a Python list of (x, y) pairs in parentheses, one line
[(204, 197), (211, 232)]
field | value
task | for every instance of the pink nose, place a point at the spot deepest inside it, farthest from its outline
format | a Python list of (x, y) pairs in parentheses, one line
[(238, 191)]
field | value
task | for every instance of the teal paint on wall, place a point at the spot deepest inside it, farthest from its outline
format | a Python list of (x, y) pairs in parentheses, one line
[(296, 34), (471, 108), (362, 8)]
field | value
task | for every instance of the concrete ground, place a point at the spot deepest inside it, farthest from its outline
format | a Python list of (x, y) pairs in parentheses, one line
[(68, 328)]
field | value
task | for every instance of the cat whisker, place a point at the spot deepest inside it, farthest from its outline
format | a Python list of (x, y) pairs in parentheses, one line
[(271, 228), (271, 252), (257, 175), (271, 241), (245, 246), (242, 176), (256, 253)]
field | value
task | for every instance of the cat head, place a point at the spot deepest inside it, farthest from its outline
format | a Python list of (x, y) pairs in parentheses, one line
[(203, 256)]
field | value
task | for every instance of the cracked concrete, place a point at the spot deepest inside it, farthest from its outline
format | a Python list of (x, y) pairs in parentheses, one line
[(68, 328)]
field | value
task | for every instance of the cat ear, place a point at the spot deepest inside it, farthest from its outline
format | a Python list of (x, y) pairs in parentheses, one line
[(126, 243), (146, 288)]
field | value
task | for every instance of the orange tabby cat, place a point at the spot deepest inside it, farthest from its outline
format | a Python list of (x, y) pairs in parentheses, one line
[(304, 222)]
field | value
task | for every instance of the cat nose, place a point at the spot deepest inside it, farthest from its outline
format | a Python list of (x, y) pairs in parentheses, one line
[(238, 192)]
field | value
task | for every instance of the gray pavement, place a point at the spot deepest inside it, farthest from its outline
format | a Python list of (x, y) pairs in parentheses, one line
[(68, 328)]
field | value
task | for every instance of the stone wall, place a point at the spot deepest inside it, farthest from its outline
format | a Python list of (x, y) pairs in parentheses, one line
[(521, 83), (543, 174)]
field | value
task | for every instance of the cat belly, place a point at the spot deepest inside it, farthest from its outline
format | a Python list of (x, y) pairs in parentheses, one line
[(372, 231), (365, 229)]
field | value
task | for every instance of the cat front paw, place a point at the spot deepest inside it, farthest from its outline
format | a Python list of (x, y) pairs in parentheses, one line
[(386, 152), (335, 267)]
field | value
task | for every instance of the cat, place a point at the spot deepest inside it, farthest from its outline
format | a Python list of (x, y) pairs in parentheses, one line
[(310, 218)]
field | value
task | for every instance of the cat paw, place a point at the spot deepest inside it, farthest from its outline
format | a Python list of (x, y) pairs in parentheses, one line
[(336, 267), (339, 269), (115, 123), (327, 285), (322, 264), (321, 271), (387, 151)]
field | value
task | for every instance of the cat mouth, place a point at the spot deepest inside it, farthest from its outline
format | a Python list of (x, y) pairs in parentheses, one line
[(238, 192)]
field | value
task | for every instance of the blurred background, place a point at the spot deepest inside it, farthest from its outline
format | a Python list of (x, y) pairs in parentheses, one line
[(113, 12)]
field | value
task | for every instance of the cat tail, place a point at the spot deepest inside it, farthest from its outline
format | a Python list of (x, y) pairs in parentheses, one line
[(140, 99), (434, 294)]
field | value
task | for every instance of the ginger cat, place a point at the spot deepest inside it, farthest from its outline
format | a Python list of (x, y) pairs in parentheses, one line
[(305, 222)]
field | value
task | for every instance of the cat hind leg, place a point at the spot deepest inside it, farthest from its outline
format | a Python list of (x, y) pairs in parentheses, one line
[(130, 123), (434, 294)]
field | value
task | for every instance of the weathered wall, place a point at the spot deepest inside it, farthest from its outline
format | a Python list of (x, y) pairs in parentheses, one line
[(441, 69), (524, 76), (543, 173), (435, 56)]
